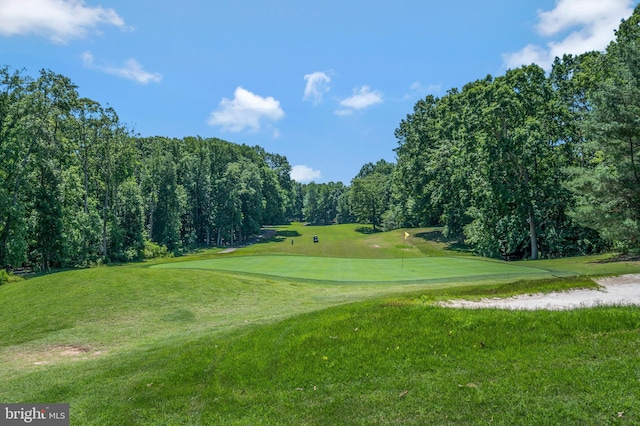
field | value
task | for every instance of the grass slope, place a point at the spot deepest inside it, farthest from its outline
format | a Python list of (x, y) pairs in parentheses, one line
[(368, 270), (139, 345), (355, 242)]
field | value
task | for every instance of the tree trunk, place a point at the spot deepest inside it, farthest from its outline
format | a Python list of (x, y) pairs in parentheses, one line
[(4, 239), (534, 236), (532, 223), (633, 161), (85, 170), (104, 222), (152, 206)]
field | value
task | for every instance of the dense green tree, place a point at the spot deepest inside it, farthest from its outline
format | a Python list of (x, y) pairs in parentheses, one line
[(281, 168), (86, 130), (50, 101), (371, 192), (127, 239), (251, 198), (171, 203), (47, 217), (76, 186), (490, 161), (275, 198), (311, 210), (344, 209), (321, 202), (16, 149), (195, 177), (435, 168), (609, 184), (228, 216), (297, 201)]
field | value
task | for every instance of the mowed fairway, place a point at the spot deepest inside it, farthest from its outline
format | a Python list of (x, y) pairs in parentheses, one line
[(348, 253), (362, 270)]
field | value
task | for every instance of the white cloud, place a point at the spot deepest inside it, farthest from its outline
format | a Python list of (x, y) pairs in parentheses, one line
[(57, 20), (591, 22), (362, 98), (317, 86), (132, 70), (302, 173), (245, 110)]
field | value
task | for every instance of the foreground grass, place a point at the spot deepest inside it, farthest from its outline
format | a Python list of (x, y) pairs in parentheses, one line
[(115, 309), (137, 345), (386, 361)]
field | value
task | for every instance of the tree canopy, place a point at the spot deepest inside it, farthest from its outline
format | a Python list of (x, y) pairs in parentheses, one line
[(532, 164)]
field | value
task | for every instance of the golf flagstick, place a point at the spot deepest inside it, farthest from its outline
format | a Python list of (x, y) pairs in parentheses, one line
[(406, 234)]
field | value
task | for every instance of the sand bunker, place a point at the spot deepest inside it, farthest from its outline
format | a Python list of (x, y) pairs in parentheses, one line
[(619, 291)]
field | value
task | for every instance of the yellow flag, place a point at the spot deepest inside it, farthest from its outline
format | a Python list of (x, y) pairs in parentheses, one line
[(406, 235)]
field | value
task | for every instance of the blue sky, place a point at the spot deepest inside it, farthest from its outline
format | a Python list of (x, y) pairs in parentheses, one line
[(323, 83)]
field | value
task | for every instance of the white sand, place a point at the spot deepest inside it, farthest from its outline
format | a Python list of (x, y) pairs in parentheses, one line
[(621, 290)]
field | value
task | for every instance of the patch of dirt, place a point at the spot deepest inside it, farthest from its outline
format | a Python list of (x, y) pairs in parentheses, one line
[(622, 290), (53, 354)]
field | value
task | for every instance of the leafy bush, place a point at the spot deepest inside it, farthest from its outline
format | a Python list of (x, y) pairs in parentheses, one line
[(7, 277), (153, 250)]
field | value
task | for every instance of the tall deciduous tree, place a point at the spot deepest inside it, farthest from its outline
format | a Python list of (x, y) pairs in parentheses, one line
[(371, 192), (610, 183), (16, 149), (51, 99), (171, 203)]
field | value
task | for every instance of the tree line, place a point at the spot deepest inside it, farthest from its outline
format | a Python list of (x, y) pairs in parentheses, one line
[(524, 165), (77, 187), (530, 165)]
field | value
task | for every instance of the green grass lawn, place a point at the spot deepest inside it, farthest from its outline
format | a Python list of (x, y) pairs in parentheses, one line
[(367, 270), (354, 242), (168, 343)]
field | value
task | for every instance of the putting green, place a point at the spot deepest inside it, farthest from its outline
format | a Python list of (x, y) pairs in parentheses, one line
[(361, 270)]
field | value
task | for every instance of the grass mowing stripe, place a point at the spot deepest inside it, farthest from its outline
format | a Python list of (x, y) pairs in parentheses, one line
[(360, 270)]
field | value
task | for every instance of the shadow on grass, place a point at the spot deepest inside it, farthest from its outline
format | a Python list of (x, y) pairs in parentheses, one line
[(367, 230), (279, 236), (288, 234), (453, 244), (625, 257)]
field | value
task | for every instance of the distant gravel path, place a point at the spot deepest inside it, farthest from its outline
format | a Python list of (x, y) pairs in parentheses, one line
[(227, 250), (621, 290), (266, 233)]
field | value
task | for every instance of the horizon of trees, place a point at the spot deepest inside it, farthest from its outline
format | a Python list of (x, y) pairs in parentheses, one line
[(524, 165)]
